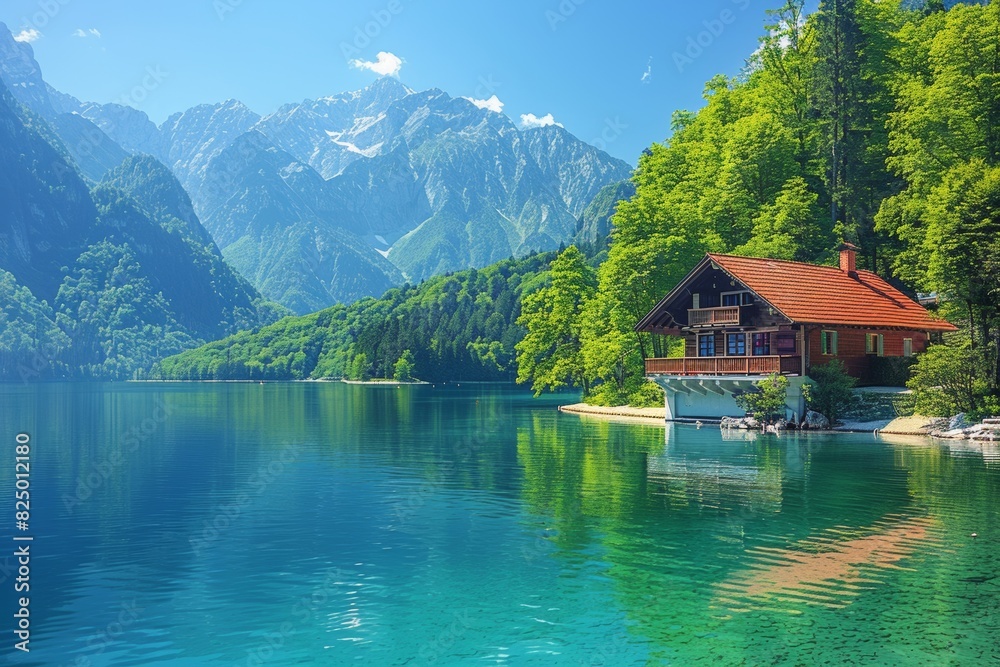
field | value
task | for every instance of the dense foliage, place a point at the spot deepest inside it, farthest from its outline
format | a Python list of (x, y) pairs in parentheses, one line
[(948, 380), (461, 326), (766, 402), (831, 394), (865, 121)]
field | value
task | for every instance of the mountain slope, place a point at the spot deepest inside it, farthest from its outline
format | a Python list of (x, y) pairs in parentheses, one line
[(125, 272), (275, 221)]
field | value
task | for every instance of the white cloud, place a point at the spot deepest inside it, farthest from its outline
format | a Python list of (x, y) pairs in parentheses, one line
[(647, 76), (28, 35), (386, 64), (493, 104), (89, 32), (530, 120)]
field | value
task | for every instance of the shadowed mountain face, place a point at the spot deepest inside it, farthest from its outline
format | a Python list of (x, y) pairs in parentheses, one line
[(100, 282), (341, 197)]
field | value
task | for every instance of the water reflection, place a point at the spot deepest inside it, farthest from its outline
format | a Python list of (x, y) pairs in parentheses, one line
[(524, 535)]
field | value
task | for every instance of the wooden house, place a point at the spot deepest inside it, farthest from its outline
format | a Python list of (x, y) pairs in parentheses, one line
[(743, 318)]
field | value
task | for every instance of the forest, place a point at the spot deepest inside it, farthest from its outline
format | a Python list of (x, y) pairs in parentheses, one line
[(460, 326), (872, 122)]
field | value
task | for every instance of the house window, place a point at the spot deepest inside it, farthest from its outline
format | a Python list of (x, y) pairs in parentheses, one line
[(761, 344), (786, 343), (907, 347), (828, 342), (736, 345), (874, 344), (737, 299), (696, 301), (706, 345)]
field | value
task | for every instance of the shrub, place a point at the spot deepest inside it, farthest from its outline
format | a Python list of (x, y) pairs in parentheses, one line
[(831, 394), (606, 395), (649, 395), (949, 379), (767, 402)]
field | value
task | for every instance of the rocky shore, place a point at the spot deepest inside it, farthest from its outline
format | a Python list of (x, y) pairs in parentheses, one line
[(958, 428)]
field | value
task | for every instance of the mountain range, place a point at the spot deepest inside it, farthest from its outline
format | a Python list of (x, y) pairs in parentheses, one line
[(338, 198)]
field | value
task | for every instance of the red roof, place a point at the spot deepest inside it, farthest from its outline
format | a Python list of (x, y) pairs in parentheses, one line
[(814, 294)]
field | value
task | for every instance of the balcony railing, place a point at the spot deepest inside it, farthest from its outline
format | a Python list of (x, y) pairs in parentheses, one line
[(764, 365), (706, 316)]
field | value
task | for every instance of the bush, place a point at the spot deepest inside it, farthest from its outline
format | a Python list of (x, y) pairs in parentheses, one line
[(767, 402), (649, 395), (949, 379), (831, 394), (606, 395)]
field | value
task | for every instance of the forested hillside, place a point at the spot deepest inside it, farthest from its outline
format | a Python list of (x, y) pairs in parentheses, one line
[(101, 282), (457, 327)]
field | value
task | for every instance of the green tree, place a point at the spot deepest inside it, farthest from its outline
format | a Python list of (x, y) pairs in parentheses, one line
[(360, 368), (946, 146), (405, 365), (549, 354), (767, 402), (788, 228), (948, 379), (831, 395)]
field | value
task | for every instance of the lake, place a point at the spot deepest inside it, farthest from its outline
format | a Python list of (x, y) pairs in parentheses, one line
[(327, 524)]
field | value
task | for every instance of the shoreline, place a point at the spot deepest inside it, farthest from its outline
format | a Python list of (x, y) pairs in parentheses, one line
[(899, 426), (618, 413)]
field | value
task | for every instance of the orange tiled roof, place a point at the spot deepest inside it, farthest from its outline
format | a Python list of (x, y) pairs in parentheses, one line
[(810, 293)]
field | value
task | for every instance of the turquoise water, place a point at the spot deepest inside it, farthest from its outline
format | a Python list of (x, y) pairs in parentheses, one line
[(324, 524)]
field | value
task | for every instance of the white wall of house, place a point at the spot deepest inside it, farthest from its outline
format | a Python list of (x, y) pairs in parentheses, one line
[(712, 397)]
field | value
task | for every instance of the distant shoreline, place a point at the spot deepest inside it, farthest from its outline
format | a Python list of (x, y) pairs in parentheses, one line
[(378, 382), (362, 382)]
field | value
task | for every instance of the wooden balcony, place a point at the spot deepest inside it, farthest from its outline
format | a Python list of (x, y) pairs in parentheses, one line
[(764, 365), (699, 317)]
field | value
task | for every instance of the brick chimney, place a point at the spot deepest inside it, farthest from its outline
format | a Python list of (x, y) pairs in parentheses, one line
[(849, 259)]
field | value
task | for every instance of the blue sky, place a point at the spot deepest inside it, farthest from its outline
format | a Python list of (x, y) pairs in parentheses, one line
[(583, 61)]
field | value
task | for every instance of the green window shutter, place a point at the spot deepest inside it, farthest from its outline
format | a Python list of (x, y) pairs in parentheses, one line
[(881, 345), (833, 343)]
